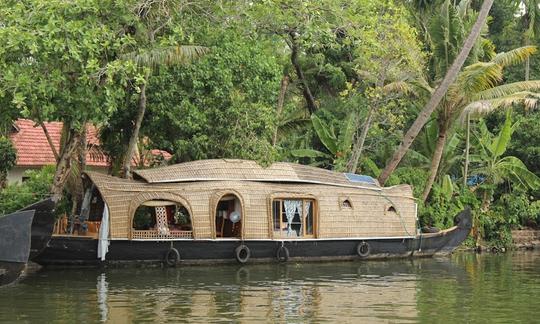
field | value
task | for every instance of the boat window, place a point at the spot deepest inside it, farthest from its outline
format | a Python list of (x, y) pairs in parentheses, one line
[(161, 219), (293, 218), (390, 209), (346, 204), (87, 221), (229, 216)]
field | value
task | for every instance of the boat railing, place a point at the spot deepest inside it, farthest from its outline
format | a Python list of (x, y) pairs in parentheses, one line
[(155, 234)]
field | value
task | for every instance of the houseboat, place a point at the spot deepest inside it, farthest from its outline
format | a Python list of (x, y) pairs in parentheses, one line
[(236, 210)]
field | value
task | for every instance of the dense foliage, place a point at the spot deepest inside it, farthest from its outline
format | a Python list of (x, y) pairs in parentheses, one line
[(330, 83), (36, 187)]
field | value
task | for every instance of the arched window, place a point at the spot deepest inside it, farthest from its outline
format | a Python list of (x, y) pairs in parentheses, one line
[(161, 219), (229, 216)]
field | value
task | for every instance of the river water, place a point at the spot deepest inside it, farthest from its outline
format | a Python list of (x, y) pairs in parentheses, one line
[(463, 288)]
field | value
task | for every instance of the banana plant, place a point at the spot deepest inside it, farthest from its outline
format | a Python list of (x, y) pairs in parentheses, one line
[(338, 146), (490, 165)]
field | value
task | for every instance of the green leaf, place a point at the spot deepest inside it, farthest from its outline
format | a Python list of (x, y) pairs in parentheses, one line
[(309, 153), (515, 169), (447, 188), (346, 136), (500, 143), (325, 135)]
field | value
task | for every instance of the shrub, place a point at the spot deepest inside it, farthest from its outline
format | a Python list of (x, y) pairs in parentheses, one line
[(34, 189)]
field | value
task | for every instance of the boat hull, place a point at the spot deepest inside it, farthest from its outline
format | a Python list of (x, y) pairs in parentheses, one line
[(42, 225), (70, 250), (15, 238)]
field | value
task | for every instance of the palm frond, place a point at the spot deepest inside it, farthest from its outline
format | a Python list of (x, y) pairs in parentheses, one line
[(515, 56), (166, 55), (507, 90), (483, 107), (479, 77)]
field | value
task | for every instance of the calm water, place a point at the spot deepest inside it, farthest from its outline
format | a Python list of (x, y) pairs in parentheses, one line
[(464, 288)]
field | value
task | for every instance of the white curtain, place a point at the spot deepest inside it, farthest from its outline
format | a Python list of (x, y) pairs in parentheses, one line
[(307, 205), (103, 243), (291, 207)]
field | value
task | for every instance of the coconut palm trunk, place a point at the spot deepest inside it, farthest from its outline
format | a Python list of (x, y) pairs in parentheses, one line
[(467, 149), (527, 62), (359, 144), (126, 167), (436, 160), (439, 93), (281, 102)]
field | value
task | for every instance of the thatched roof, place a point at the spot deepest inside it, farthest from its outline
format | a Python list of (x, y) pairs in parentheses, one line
[(243, 170)]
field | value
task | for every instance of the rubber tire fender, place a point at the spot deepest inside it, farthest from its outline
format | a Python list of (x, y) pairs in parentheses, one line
[(172, 257), (282, 254), (238, 253), (363, 249)]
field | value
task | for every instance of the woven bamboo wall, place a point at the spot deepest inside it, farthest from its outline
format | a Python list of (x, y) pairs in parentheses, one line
[(368, 216)]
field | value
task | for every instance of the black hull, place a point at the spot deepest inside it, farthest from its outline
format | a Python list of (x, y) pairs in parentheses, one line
[(42, 225), (83, 251), (15, 233), (10, 272)]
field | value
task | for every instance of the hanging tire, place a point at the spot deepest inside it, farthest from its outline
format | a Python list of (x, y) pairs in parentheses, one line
[(282, 254), (242, 253), (363, 249), (172, 257)]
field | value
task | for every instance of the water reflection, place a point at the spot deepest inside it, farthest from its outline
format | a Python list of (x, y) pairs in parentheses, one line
[(467, 287)]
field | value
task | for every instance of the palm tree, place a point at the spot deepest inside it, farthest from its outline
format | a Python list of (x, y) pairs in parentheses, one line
[(531, 22), (439, 93), (148, 60), (476, 90), (155, 17)]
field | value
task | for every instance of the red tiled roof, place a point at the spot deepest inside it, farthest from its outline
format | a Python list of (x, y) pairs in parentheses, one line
[(33, 149)]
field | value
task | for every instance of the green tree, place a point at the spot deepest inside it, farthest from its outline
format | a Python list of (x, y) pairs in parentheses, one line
[(439, 93), (531, 24), (223, 105), (154, 49), (8, 156), (491, 166), (59, 62), (389, 64), (338, 146)]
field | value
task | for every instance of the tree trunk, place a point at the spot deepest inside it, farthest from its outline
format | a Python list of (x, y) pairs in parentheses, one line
[(310, 100), (49, 140), (3, 180), (75, 183), (435, 161), (64, 164), (281, 101), (126, 167), (527, 61), (439, 93), (467, 149), (359, 144)]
